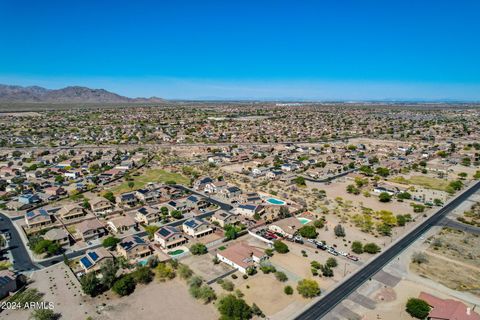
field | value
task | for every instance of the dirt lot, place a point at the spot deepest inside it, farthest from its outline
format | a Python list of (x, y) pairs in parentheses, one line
[(204, 267), (457, 245), (147, 302), (453, 260)]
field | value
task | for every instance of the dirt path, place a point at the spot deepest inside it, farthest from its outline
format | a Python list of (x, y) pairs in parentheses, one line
[(466, 265)]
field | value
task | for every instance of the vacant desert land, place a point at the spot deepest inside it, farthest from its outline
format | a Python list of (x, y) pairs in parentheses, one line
[(150, 175), (453, 259), (151, 301)]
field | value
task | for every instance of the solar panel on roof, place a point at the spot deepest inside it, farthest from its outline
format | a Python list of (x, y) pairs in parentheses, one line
[(138, 239), (86, 263), (164, 232), (93, 255), (4, 280)]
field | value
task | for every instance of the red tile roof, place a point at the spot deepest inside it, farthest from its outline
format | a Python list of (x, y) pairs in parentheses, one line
[(448, 309)]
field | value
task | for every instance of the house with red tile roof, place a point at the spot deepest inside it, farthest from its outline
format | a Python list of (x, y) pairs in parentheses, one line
[(448, 309)]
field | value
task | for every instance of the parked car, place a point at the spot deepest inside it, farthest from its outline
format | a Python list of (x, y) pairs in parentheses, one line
[(351, 257)]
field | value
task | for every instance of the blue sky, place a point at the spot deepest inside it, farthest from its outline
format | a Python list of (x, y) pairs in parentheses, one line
[(350, 50)]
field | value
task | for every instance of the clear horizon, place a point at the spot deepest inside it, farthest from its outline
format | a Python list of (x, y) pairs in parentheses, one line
[(270, 50)]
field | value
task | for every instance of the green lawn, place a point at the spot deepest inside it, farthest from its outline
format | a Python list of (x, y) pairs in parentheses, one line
[(152, 175), (424, 181)]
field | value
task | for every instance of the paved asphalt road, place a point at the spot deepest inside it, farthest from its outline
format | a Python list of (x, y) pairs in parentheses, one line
[(460, 226), (22, 261), (334, 297)]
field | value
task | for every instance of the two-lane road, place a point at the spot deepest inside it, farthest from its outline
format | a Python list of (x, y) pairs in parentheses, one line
[(334, 297), (22, 261)]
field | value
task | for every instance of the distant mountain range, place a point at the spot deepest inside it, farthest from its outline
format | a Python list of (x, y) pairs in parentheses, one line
[(72, 94)]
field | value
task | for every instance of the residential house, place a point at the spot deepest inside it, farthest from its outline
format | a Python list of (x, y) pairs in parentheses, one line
[(38, 218), (179, 205), (147, 195), (196, 228), (224, 218), (197, 202), (8, 283), (71, 212), (55, 191), (287, 227), (133, 247), (241, 256), (29, 198), (248, 210), (201, 182), (250, 197), (147, 215), (274, 174), (58, 235), (215, 187), (169, 237), (448, 309), (120, 224), (231, 192), (91, 229), (94, 259), (101, 206), (127, 198)]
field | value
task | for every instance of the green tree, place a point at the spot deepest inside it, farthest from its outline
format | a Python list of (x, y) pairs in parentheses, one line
[(357, 247), (232, 308), (288, 290), (477, 175), (384, 229), (150, 230), (198, 249), (176, 214), (142, 274), (371, 248), (383, 172), (331, 262), (206, 293), (326, 271), (339, 230), (320, 223), (384, 197), (401, 220), (309, 232), (280, 247), (164, 271), (417, 308), (227, 285), (109, 196), (44, 314), (404, 195), (366, 170), (109, 273), (184, 271), (300, 181), (257, 311), (91, 284), (230, 232), (281, 276), (124, 286), (110, 242), (352, 189), (308, 288)]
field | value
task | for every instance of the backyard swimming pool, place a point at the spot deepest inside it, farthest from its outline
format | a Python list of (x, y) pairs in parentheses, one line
[(304, 220), (176, 252), (275, 201)]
